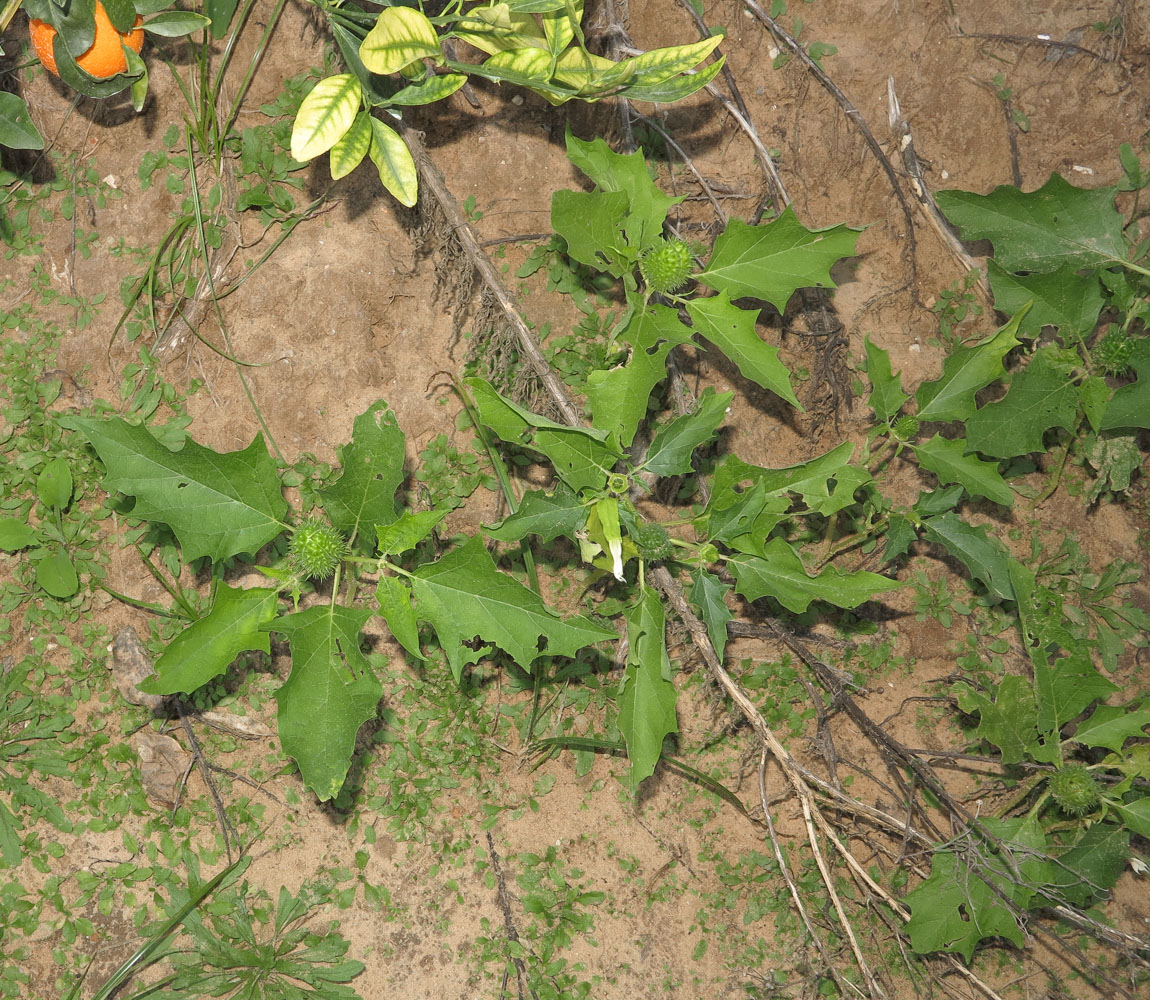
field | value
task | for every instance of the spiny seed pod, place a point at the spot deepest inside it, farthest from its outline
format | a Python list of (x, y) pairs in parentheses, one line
[(666, 266), (652, 542), (1113, 352), (316, 549), (905, 428), (1075, 790)]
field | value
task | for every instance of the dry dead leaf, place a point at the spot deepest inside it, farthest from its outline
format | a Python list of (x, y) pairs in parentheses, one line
[(131, 664), (164, 766)]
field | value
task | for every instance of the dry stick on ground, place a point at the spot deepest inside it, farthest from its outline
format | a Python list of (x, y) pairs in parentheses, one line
[(672, 592)]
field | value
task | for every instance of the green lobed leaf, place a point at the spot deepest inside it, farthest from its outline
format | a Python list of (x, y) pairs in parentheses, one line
[(900, 533), (393, 161), (1008, 719), (886, 395), (779, 573), (411, 528), (707, 594), (401, 36), (771, 262), (325, 115), (363, 498), (1130, 404), (984, 556), (646, 696), (330, 693), (591, 222), (674, 444), (217, 505), (546, 513), (236, 623), (1136, 815), (463, 595), (1062, 298), (1054, 227), (733, 516), (965, 371), (1111, 726), (627, 173), (949, 462), (394, 599), (1084, 874), (1066, 686), (1041, 396), (579, 456), (732, 331), (618, 396), (825, 484)]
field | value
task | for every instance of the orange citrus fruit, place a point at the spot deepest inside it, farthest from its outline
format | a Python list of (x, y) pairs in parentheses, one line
[(106, 56)]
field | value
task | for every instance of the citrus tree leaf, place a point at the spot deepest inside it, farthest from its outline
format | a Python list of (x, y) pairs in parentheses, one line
[(1040, 397), (1055, 227), (948, 460), (217, 505), (352, 147), (325, 115), (732, 331), (363, 498), (771, 262), (437, 87), (646, 698), (779, 573), (886, 395), (658, 65), (393, 160), (17, 131), (175, 23), (674, 444), (675, 89), (1062, 298), (330, 693), (618, 396), (546, 513), (401, 36), (965, 371), (464, 596), (205, 649)]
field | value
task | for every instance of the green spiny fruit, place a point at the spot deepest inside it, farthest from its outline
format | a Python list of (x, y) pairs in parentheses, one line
[(652, 541), (666, 266), (316, 549), (1075, 790), (905, 428), (1113, 352)]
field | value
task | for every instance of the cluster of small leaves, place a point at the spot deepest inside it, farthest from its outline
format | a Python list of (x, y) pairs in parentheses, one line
[(399, 58)]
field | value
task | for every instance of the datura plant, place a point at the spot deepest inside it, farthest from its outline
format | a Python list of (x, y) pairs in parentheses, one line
[(402, 57)]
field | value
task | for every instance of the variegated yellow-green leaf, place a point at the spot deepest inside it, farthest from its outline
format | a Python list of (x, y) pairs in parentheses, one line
[(661, 64), (517, 65), (560, 26), (393, 160), (591, 74), (352, 148), (498, 28), (401, 36), (325, 116)]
